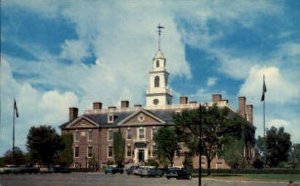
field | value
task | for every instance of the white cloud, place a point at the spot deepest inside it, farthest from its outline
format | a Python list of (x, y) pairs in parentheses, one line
[(278, 123), (74, 50), (279, 88), (35, 107), (211, 81)]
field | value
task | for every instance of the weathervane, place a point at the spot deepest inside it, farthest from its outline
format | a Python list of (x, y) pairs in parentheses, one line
[(159, 33)]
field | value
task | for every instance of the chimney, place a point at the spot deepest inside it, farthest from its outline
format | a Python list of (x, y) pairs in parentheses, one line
[(242, 106), (97, 106), (124, 104), (216, 98), (183, 100), (250, 113), (73, 113)]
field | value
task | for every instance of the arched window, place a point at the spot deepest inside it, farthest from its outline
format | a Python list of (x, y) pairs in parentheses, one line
[(157, 63), (156, 81)]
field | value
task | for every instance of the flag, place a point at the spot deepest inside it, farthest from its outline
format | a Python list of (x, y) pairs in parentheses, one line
[(264, 90), (16, 108)]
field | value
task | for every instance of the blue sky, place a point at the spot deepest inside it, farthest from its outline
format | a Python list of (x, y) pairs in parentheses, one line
[(58, 54)]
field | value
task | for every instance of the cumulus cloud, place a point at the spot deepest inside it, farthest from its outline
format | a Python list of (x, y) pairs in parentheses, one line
[(35, 107), (278, 123), (279, 88)]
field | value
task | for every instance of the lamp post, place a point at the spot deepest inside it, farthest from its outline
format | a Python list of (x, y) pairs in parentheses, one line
[(199, 144), (293, 156)]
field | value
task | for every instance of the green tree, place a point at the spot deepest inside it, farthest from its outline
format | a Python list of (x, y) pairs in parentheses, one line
[(118, 148), (66, 156), (167, 143), (44, 144), (278, 145), (216, 125), (233, 153), (19, 157)]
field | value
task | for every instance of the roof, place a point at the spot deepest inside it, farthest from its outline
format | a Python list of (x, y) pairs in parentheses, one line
[(166, 116)]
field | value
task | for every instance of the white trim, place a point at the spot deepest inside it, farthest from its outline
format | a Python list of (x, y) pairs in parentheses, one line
[(110, 118)]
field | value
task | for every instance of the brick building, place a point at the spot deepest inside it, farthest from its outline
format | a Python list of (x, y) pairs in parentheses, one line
[(93, 131)]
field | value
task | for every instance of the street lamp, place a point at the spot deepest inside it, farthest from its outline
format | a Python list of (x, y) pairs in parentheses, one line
[(199, 143)]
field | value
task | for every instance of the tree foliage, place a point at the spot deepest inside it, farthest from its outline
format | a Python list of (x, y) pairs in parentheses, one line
[(167, 143), (216, 125), (278, 144), (20, 157), (233, 153), (118, 148), (66, 156), (44, 144)]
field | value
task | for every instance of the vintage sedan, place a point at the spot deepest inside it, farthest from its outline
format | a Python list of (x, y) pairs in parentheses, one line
[(114, 170)]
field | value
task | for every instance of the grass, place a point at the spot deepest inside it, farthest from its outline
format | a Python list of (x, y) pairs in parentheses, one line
[(256, 177)]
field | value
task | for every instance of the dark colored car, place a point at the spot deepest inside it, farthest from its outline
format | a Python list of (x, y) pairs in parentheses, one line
[(154, 172), (131, 169), (19, 169), (178, 174), (61, 169), (114, 170)]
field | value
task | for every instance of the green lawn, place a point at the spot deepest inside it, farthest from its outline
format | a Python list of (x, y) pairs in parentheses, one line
[(260, 177)]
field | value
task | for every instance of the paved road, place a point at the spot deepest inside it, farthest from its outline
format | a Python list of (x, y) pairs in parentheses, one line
[(100, 179)]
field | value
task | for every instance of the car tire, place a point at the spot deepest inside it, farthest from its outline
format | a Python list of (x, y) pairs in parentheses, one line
[(168, 177)]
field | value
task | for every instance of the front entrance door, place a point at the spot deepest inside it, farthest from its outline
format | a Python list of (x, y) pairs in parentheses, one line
[(141, 155)]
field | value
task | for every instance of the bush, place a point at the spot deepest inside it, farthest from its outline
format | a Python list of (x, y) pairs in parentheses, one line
[(258, 164), (152, 162)]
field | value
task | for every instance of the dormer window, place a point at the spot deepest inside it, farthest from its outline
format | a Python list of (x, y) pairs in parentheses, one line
[(110, 118), (157, 63)]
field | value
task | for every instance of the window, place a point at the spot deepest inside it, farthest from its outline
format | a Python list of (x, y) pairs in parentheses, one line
[(156, 81), (90, 135), (154, 131), (90, 151), (110, 151), (110, 118), (110, 135), (157, 63), (154, 150), (76, 135), (141, 133), (128, 150), (76, 153), (129, 134)]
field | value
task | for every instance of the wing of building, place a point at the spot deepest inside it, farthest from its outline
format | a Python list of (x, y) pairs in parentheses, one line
[(93, 131)]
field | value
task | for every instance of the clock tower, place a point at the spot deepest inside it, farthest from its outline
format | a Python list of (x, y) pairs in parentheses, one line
[(158, 93)]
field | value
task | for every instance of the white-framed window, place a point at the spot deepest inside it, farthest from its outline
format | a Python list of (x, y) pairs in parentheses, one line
[(128, 149), (76, 152), (154, 131), (154, 150), (90, 135), (109, 135), (141, 133), (90, 151), (110, 118), (109, 151), (129, 134), (76, 135)]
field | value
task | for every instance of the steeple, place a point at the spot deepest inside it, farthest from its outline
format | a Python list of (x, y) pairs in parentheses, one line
[(158, 93)]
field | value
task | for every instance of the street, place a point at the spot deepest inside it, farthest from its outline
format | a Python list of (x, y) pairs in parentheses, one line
[(100, 179)]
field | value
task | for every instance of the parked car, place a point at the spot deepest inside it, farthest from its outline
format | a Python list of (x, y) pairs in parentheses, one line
[(131, 169), (178, 174), (19, 169), (142, 170), (8, 169), (154, 172), (60, 169), (114, 170)]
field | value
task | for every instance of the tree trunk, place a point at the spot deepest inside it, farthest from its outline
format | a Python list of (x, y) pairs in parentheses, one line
[(208, 166)]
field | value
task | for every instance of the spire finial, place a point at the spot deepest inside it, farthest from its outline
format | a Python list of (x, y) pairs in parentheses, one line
[(159, 33)]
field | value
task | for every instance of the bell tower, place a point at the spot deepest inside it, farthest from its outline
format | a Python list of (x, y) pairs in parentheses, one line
[(158, 93)]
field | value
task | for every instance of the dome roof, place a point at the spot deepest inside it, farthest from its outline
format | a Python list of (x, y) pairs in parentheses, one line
[(159, 54)]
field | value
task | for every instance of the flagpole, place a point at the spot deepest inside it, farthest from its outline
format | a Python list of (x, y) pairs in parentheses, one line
[(13, 147), (264, 105)]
